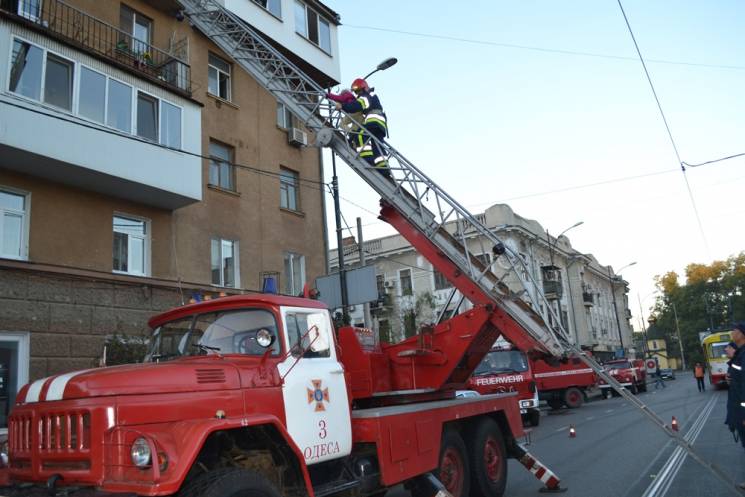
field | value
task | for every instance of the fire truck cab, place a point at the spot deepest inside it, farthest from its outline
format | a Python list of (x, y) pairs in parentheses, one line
[(631, 373), (503, 370)]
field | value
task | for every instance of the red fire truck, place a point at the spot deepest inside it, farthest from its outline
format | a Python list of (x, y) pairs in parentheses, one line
[(258, 394), (563, 383), (631, 373), (504, 370)]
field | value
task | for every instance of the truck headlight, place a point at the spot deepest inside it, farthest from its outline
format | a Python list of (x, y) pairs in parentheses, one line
[(140, 453)]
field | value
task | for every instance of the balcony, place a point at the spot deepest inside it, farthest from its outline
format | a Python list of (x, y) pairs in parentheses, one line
[(56, 19), (552, 286), (588, 298)]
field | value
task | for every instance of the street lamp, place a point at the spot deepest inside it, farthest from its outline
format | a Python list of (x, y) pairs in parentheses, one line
[(390, 61), (615, 306), (548, 239), (337, 212)]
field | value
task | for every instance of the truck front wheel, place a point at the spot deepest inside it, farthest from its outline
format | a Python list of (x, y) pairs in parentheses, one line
[(230, 482), (488, 460)]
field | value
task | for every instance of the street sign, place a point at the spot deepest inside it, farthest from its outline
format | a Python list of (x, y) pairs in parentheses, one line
[(651, 365), (361, 287)]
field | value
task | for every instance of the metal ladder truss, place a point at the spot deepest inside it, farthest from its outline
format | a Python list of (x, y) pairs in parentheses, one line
[(411, 192)]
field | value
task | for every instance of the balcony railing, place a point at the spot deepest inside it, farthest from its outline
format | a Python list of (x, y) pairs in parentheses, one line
[(588, 298), (81, 30)]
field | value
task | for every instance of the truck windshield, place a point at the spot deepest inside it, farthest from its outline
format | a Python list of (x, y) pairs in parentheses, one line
[(230, 332), (619, 365), (716, 350), (503, 361)]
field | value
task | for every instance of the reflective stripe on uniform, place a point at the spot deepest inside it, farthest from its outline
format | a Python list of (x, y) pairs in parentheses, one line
[(375, 116), (364, 102), (739, 368), (382, 124)]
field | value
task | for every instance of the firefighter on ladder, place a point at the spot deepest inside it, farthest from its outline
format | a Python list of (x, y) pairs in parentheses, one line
[(374, 124)]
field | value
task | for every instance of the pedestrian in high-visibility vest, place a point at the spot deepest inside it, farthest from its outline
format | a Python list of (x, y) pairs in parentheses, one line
[(375, 124), (698, 373)]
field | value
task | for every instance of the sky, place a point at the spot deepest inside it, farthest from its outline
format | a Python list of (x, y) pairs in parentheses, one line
[(544, 105)]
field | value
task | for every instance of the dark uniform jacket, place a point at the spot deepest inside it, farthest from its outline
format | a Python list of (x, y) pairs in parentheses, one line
[(736, 393)]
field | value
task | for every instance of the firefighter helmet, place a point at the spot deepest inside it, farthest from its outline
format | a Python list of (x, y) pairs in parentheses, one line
[(359, 84)]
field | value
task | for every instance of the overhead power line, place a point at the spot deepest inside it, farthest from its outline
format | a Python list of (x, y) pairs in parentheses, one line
[(714, 161), (667, 127), (542, 49)]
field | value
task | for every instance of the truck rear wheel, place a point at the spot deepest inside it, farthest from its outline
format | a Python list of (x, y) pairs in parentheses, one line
[(229, 482), (454, 470), (488, 460), (534, 417), (573, 397), (554, 404)]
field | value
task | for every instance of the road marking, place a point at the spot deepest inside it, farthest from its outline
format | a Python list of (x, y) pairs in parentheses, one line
[(589, 418), (562, 428), (609, 411), (664, 478)]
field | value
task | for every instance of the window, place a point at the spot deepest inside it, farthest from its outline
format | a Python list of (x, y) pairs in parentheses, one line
[(120, 106), (138, 27), (284, 116), (30, 9), (404, 277), (131, 246), (26, 69), (92, 101), (221, 168), (147, 117), (441, 282), (225, 263), (294, 273), (288, 189), (380, 285), (170, 125), (312, 26), (13, 224), (218, 75), (58, 82), (273, 6), (309, 332)]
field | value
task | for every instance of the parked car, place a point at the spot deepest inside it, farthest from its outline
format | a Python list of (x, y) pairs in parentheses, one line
[(667, 373)]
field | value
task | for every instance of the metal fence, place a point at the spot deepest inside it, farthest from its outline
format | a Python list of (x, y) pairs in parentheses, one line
[(73, 26)]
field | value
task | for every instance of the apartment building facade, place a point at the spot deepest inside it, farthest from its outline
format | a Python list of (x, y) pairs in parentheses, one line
[(583, 294), (140, 168)]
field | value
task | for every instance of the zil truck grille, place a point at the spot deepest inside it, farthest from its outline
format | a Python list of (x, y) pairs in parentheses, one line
[(64, 432), (20, 433)]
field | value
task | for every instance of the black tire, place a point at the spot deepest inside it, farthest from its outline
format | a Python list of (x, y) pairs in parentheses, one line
[(488, 460), (573, 397), (453, 469), (554, 404), (633, 389), (534, 417), (229, 482), (604, 392)]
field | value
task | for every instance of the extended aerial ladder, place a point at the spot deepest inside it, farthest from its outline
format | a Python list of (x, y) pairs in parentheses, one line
[(410, 198)]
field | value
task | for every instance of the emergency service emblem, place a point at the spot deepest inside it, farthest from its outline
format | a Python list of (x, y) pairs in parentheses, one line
[(319, 395)]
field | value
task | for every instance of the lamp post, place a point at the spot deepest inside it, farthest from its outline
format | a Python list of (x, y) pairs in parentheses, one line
[(548, 239), (337, 213), (615, 306), (680, 340)]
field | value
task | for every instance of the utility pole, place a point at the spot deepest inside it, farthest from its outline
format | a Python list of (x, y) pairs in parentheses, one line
[(366, 305), (680, 340), (644, 327), (615, 309), (339, 245)]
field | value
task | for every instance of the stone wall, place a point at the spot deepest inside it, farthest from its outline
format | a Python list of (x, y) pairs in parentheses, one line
[(69, 317)]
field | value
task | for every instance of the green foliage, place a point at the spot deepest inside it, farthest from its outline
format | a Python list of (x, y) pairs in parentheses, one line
[(713, 297), (125, 349), (421, 312)]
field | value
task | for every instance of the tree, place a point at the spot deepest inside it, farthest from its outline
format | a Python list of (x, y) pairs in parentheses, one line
[(412, 316), (711, 299)]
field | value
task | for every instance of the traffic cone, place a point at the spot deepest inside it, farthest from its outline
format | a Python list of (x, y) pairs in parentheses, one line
[(674, 424), (572, 431)]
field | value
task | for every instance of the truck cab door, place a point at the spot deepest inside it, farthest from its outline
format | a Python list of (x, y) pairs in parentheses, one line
[(314, 390)]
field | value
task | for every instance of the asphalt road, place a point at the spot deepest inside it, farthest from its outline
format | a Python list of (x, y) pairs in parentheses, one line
[(619, 453)]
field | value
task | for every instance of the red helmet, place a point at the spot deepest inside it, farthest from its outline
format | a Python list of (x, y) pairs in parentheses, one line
[(359, 84)]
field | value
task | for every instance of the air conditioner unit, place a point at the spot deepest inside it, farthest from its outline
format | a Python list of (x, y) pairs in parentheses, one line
[(297, 137), (390, 284)]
